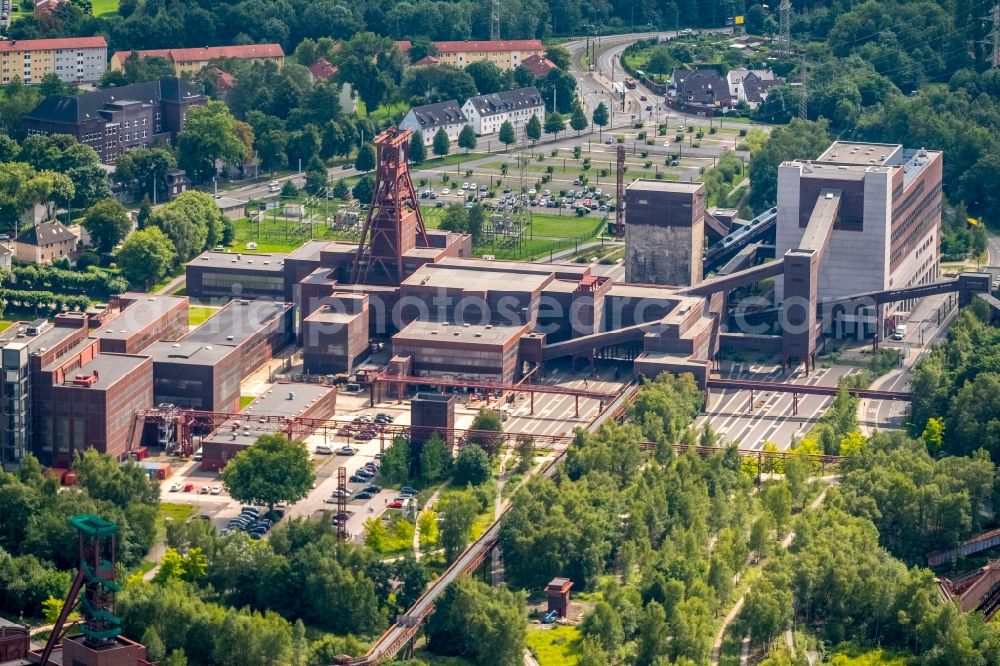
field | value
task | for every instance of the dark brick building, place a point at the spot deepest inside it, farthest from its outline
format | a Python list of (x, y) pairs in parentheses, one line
[(114, 121)]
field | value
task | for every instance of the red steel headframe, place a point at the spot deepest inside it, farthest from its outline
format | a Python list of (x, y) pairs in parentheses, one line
[(394, 224)]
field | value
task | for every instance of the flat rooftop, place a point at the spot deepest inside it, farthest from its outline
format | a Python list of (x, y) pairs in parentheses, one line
[(283, 400), (50, 337), (664, 186), (109, 369), (331, 316), (308, 251), (478, 278), (861, 153), (480, 334), (520, 267), (237, 321), (139, 314), (238, 260), (193, 353)]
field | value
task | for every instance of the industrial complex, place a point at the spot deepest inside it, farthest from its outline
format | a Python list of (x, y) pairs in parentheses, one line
[(855, 241)]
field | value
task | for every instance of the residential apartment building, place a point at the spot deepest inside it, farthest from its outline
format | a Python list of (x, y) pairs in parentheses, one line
[(505, 53), (192, 61), (486, 113), (429, 118), (73, 59), (116, 120)]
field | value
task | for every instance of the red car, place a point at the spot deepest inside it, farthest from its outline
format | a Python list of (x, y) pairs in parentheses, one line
[(395, 504), (188, 487)]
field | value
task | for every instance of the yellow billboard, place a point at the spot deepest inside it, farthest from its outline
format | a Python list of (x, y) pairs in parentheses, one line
[(739, 20)]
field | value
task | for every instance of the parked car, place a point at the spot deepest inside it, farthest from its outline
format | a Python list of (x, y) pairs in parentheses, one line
[(395, 504), (216, 490), (346, 451), (373, 489), (324, 449), (363, 496), (203, 490), (174, 487), (357, 479), (382, 416)]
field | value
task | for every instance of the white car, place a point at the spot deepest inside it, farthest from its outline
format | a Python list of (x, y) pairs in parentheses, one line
[(465, 186), (532, 192), (446, 191), (323, 449), (174, 487), (546, 192), (666, 144), (216, 490)]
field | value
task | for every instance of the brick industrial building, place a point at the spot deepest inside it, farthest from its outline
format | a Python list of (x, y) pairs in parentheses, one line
[(204, 369), (115, 120)]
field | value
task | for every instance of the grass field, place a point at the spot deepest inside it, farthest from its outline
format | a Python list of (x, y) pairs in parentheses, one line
[(197, 314), (554, 647), (174, 513), (246, 400), (105, 7)]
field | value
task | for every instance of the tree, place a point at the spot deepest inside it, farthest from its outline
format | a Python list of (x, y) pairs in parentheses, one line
[(456, 219), (486, 421), (777, 499), (659, 61), (554, 123), (271, 150), (145, 256), (395, 468), (559, 56), (525, 453), (365, 161), (442, 144), (472, 466), (533, 130), (273, 470), (459, 512), (364, 189), (155, 650), (108, 223), (487, 77), (760, 536), (372, 65), (933, 435), (766, 611), (144, 170), (209, 136), (600, 117), (604, 624), (418, 151), (467, 139), (507, 134), (316, 176), (654, 639), (484, 624), (435, 459), (800, 139), (578, 121)]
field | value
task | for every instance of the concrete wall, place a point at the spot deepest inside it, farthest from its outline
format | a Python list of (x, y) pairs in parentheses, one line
[(660, 255), (854, 261)]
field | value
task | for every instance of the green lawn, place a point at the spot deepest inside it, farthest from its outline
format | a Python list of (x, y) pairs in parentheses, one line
[(105, 7), (280, 235), (197, 314), (170, 512), (447, 160), (246, 400), (4, 325), (554, 647)]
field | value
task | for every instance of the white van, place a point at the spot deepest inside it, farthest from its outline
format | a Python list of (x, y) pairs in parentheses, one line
[(900, 332), (274, 186)]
